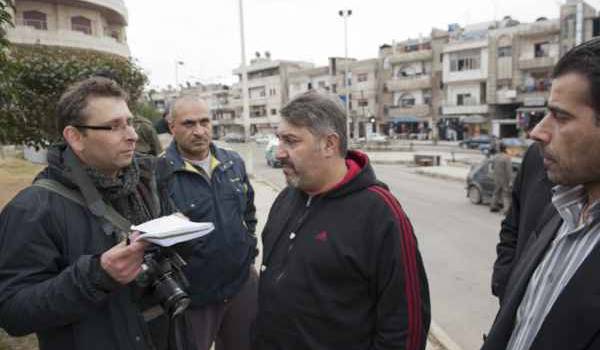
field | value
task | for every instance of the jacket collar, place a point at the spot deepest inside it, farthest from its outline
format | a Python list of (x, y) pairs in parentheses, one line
[(220, 159)]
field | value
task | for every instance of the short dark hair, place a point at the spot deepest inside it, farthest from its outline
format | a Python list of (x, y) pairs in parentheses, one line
[(72, 103), (583, 59), (320, 113)]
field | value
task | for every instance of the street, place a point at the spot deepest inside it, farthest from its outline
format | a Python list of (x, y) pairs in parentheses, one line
[(457, 240)]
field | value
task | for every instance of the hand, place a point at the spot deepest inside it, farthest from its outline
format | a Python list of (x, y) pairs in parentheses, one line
[(124, 262)]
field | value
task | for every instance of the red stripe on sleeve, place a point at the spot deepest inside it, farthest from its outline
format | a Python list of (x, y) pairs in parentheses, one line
[(408, 248)]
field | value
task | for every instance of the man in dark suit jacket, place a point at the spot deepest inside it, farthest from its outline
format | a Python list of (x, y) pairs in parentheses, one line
[(531, 193), (552, 298)]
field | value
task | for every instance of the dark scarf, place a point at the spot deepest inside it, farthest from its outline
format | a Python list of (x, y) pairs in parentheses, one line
[(125, 192)]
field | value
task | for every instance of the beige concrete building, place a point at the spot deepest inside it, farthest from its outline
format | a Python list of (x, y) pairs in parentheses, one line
[(268, 91), (90, 24), (411, 95), (520, 64)]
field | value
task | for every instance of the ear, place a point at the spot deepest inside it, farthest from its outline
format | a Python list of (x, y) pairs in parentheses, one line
[(171, 124), (331, 145), (74, 138)]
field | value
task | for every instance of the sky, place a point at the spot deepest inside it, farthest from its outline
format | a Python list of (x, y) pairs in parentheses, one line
[(205, 34)]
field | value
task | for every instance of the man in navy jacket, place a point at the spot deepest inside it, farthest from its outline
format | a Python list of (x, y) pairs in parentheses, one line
[(210, 184)]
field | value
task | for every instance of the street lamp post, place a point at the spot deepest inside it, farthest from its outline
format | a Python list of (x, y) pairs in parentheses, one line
[(345, 14), (245, 97), (177, 64)]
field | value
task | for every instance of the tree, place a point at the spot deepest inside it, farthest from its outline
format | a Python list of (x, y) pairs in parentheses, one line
[(33, 78), (5, 20)]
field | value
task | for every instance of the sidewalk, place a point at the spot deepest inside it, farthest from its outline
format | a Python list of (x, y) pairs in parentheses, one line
[(264, 195)]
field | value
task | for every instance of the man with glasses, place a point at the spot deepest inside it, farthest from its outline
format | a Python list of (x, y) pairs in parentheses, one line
[(66, 272), (209, 183)]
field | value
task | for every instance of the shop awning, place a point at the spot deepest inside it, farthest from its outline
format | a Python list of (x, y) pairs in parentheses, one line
[(405, 119), (473, 119)]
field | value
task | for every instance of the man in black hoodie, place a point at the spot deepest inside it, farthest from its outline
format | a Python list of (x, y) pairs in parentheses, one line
[(341, 267)]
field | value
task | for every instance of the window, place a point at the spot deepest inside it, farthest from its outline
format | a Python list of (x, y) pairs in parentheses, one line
[(35, 19), (542, 49), (363, 77), (464, 61), (273, 111), (406, 101), (463, 99), (363, 103), (427, 97), (258, 111), (505, 51), (596, 26), (81, 24), (272, 92)]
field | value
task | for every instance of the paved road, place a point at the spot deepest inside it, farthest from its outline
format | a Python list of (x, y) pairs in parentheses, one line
[(457, 241)]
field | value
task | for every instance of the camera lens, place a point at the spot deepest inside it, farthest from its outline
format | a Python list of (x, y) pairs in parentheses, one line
[(173, 298)]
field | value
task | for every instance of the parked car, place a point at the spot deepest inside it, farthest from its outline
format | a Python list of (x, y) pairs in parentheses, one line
[(262, 138), (271, 153), (480, 181), (234, 137), (475, 142)]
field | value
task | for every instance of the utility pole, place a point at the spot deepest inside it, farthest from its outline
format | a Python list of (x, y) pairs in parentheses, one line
[(345, 14), (245, 97)]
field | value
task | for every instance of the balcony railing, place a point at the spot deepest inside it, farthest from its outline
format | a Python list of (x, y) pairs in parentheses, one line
[(449, 109), (416, 111), (21, 34), (423, 55), (34, 23), (409, 83), (537, 62)]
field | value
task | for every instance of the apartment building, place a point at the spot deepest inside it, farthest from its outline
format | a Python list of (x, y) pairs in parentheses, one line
[(411, 94), (268, 91), (91, 24)]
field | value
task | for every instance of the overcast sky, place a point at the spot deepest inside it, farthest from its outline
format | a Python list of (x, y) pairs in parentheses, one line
[(205, 34)]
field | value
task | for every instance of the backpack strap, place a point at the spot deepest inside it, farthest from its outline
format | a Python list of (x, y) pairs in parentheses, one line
[(110, 214)]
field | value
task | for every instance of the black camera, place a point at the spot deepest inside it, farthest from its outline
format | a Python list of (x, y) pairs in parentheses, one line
[(162, 271)]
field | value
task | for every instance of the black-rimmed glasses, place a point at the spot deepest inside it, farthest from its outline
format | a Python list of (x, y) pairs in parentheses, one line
[(114, 128)]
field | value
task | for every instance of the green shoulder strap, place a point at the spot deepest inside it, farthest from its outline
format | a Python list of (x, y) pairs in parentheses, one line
[(110, 214)]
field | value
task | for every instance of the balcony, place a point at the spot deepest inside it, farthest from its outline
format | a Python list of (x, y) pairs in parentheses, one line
[(537, 62), (423, 55), (118, 6), (417, 82), (416, 111), (506, 96), (21, 34), (450, 109)]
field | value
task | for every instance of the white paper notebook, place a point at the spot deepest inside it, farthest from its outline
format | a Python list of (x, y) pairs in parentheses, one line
[(169, 230)]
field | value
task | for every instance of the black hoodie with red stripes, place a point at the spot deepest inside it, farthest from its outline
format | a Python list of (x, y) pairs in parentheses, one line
[(341, 270)]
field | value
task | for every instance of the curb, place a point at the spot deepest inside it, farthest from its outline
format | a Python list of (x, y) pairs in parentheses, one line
[(441, 176), (439, 337), (436, 336)]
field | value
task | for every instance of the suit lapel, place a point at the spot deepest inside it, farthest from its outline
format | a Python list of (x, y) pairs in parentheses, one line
[(575, 316), (517, 284)]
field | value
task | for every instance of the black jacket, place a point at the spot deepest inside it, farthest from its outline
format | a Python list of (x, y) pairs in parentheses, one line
[(574, 320), (532, 191), (51, 282), (221, 261), (342, 270)]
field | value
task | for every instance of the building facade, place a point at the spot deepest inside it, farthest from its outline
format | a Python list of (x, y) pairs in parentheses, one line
[(92, 24)]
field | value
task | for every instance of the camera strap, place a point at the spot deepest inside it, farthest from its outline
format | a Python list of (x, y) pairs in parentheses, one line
[(110, 214)]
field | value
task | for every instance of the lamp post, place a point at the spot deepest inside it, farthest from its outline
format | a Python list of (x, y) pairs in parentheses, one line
[(177, 64), (345, 14), (245, 97)]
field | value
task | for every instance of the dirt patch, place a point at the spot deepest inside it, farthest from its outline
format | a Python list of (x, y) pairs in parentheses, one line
[(16, 174)]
